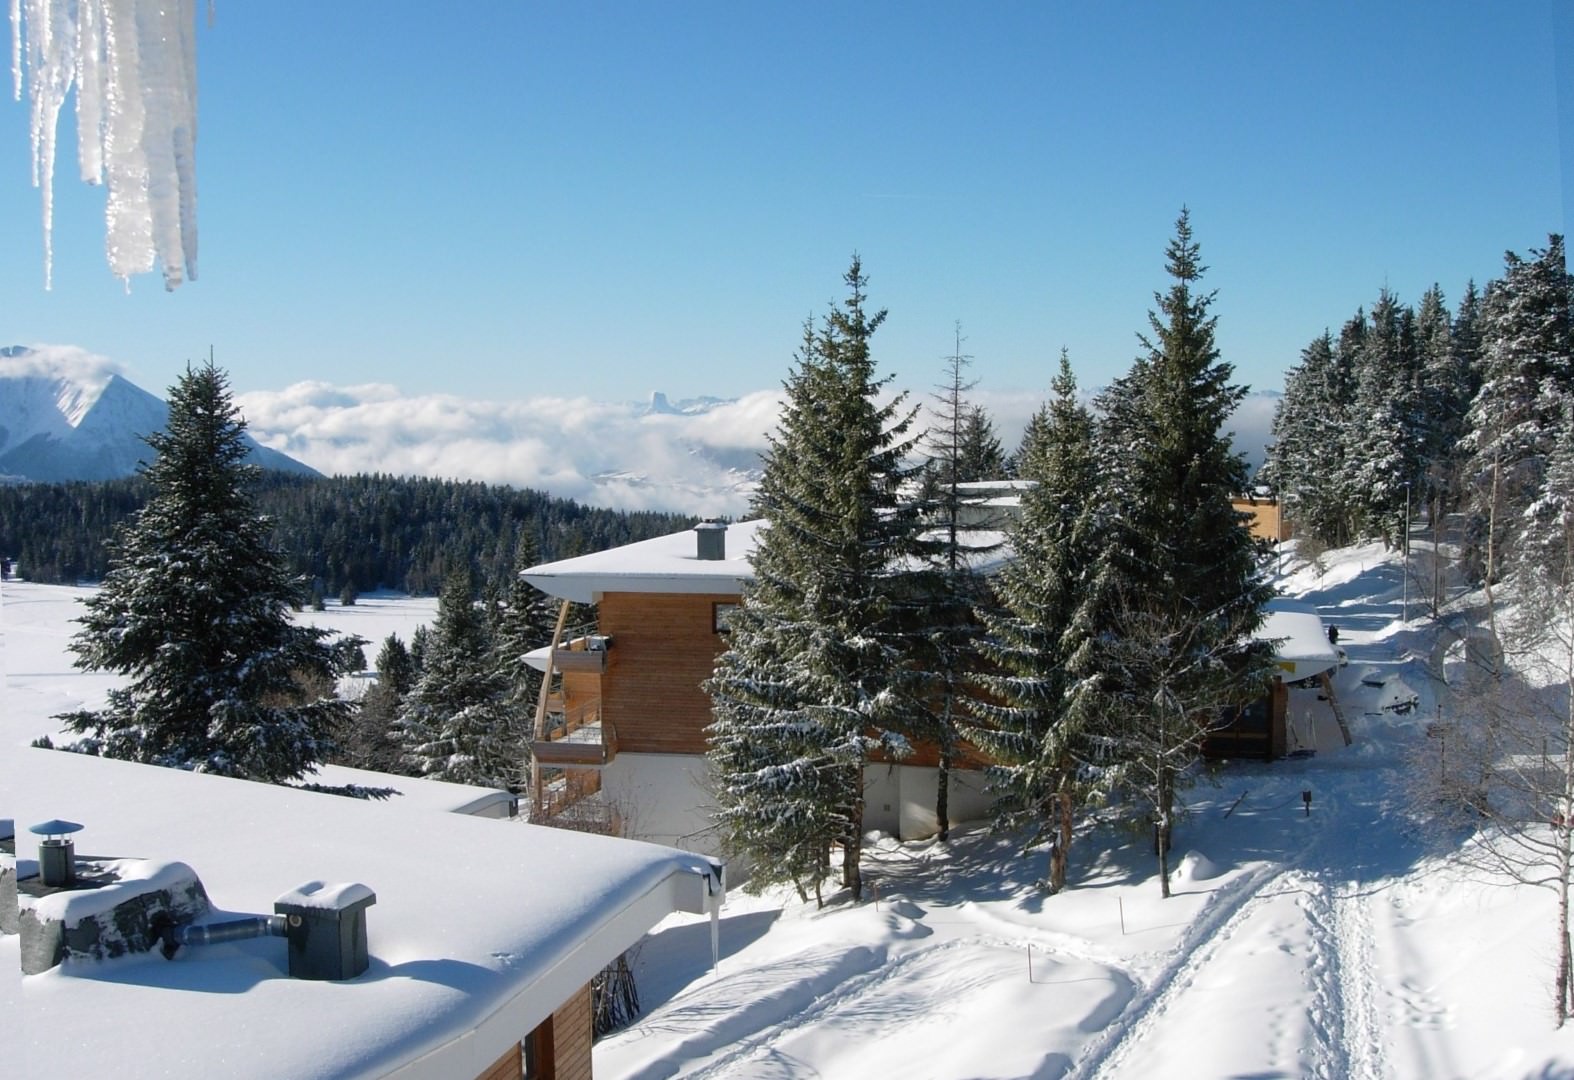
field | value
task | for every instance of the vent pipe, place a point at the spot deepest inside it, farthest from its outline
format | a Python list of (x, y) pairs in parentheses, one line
[(56, 853), (711, 540)]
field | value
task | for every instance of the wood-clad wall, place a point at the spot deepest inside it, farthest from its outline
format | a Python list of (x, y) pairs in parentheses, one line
[(559, 1047), (508, 1067), (663, 646), (1266, 522), (571, 1038)]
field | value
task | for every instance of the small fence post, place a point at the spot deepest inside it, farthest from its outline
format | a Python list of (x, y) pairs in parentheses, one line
[(1122, 904)]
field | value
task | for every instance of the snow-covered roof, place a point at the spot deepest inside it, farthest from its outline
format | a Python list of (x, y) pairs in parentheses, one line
[(480, 930), (664, 564), (438, 795), (1302, 647)]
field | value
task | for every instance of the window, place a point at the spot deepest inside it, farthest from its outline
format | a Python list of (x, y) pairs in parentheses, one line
[(721, 617)]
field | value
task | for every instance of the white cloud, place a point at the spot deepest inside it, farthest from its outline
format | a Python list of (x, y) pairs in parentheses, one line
[(605, 453), (84, 368)]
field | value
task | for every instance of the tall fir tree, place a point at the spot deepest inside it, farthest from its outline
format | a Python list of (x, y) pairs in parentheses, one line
[(1446, 392), (1387, 430), (458, 725), (196, 610), (1527, 381), (815, 675), (1022, 720), (525, 620), (1176, 564), (373, 739), (946, 585), (1304, 463)]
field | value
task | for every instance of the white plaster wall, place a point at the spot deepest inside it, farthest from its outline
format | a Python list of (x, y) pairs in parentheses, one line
[(918, 785), (663, 798)]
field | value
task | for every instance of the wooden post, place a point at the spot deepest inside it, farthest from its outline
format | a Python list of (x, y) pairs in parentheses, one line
[(536, 794)]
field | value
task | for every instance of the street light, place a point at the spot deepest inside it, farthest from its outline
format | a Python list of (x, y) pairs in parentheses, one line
[(1404, 571)]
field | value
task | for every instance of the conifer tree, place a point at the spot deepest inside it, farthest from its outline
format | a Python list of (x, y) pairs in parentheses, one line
[(373, 740), (1176, 568), (981, 456), (1023, 724), (814, 677), (1528, 378), (1305, 462), (525, 620), (1386, 433), (196, 609), (946, 586), (457, 723)]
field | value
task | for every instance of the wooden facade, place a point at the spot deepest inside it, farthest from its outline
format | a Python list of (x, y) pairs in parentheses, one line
[(1256, 731), (1267, 517), (558, 1049), (664, 645)]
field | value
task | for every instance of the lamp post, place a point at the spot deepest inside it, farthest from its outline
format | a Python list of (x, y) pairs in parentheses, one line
[(1404, 568)]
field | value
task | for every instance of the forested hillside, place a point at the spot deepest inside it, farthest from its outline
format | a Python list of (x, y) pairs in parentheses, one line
[(1420, 408), (360, 532)]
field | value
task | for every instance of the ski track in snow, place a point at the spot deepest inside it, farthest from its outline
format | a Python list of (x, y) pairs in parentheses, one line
[(1213, 928), (865, 982), (830, 976)]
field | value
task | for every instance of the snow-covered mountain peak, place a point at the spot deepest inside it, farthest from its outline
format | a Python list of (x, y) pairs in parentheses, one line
[(66, 414)]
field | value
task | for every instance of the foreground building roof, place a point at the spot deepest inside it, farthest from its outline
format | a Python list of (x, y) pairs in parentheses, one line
[(480, 928)]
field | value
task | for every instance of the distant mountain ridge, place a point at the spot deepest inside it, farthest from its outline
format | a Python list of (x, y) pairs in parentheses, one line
[(59, 425)]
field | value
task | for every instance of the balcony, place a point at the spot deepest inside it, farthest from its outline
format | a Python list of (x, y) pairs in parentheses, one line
[(587, 652), (581, 740)]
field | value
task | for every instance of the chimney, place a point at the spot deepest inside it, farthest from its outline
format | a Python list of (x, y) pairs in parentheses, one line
[(712, 540), (56, 854)]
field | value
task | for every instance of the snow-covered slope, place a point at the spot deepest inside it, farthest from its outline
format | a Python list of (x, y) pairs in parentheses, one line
[(64, 419)]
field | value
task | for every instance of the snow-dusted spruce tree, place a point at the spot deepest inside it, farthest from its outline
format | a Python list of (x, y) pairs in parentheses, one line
[(524, 620), (1022, 723), (945, 586), (980, 455), (1528, 374), (1446, 388), (814, 676), (196, 610), (457, 723), (372, 739), (1176, 568), (1386, 423), (1304, 463)]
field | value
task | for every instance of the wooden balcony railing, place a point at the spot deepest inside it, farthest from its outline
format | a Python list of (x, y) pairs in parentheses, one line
[(582, 739)]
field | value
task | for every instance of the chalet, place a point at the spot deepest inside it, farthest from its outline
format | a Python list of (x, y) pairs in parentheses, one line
[(451, 947), (1264, 516), (620, 728)]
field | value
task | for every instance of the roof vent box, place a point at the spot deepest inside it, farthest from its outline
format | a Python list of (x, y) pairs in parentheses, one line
[(711, 540), (325, 928)]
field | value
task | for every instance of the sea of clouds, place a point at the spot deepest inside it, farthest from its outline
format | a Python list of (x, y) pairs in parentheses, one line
[(617, 454), (702, 459)]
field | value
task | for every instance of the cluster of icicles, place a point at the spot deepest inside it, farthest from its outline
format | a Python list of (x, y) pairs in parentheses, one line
[(134, 66)]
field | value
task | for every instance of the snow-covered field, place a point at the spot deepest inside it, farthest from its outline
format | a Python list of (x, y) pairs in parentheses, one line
[(1330, 944)]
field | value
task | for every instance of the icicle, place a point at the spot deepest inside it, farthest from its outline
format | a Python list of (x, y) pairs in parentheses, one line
[(134, 66), (16, 49)]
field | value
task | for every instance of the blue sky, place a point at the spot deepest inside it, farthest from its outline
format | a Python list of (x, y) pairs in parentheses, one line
[(504, 200)]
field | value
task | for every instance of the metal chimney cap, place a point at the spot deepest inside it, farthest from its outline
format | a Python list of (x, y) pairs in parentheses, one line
[(54, 827)]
